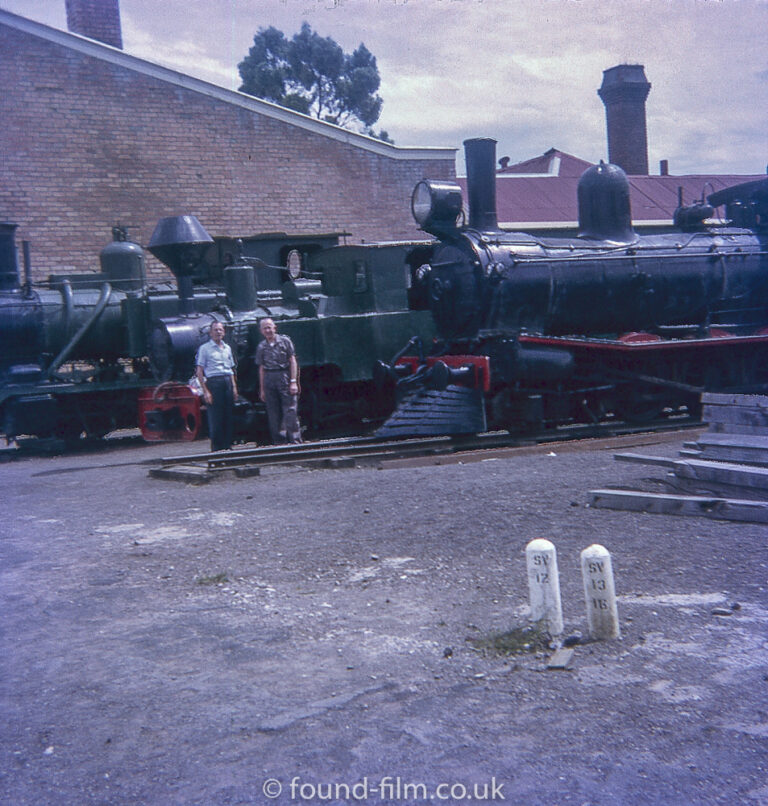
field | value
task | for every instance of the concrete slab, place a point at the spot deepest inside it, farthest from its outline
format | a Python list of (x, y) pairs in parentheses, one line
[(711, 472), (696, 505)]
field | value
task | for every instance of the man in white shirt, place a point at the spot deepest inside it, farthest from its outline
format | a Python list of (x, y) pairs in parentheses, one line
[(216, 374)]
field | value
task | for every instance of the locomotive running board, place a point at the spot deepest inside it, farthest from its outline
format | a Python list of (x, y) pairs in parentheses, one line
[(454, 410)]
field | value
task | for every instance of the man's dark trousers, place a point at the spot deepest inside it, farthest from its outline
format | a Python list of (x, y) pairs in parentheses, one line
[(221, 412), (282, 407)]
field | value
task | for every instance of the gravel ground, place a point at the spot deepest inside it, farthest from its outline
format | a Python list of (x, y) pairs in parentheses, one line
[(327, 637)]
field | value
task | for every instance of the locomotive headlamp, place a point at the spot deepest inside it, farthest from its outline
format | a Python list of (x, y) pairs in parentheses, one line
[(436, 204), (293, 264)]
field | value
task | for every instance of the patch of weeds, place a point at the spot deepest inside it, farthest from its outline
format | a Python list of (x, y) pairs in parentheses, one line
[(519, 641), (216, 579)]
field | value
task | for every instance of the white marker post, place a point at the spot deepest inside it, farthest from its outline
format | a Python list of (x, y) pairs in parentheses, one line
[(544, 585), (599, 592)]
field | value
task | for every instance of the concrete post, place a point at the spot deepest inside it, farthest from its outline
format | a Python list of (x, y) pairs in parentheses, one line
[(599, 592), (544, 585)]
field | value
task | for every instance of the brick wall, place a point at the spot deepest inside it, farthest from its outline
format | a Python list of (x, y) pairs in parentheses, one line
[(627, 137), (86, 143)]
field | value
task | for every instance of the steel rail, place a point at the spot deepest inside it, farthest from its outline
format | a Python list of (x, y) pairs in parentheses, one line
[(296, 451), (369, 449)]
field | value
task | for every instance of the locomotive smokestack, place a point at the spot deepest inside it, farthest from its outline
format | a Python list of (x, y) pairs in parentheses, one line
[(623, 91), (481, 182), (180, 242)]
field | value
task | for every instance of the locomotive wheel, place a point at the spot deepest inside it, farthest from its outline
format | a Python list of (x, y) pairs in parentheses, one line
[(640, 404), (69, 432)]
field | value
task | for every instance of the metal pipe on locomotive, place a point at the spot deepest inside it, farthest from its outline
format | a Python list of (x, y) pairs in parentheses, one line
[(538, 331)]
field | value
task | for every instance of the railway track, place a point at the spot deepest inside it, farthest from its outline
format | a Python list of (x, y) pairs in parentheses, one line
[(358, 451)]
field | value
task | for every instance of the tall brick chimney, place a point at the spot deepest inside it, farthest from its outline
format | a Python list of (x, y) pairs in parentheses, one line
[(96, 19), (623, 92)]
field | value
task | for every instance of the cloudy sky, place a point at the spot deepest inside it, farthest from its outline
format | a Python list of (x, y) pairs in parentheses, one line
[(522, 71)]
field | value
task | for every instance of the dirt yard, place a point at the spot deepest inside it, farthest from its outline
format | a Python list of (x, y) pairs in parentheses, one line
[(333, 637)]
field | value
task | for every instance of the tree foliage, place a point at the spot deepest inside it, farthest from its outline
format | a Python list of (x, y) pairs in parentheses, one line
[(312, 74)]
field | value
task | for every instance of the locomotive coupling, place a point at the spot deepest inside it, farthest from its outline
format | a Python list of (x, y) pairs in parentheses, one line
[(440, 376)]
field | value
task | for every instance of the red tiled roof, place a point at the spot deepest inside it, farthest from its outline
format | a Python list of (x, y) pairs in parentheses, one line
[(530, 193), (656, 197)]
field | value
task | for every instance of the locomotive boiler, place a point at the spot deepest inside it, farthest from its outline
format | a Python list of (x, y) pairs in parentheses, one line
[(538, 331)]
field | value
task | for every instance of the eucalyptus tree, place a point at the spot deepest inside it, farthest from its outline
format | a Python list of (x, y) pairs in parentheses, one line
[(311, 74)]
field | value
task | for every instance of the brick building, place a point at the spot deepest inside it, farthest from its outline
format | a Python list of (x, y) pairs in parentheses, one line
[(91, 136)]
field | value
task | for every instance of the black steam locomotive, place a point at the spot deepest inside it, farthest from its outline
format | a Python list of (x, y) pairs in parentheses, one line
[(85, 354), (540, 331)]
